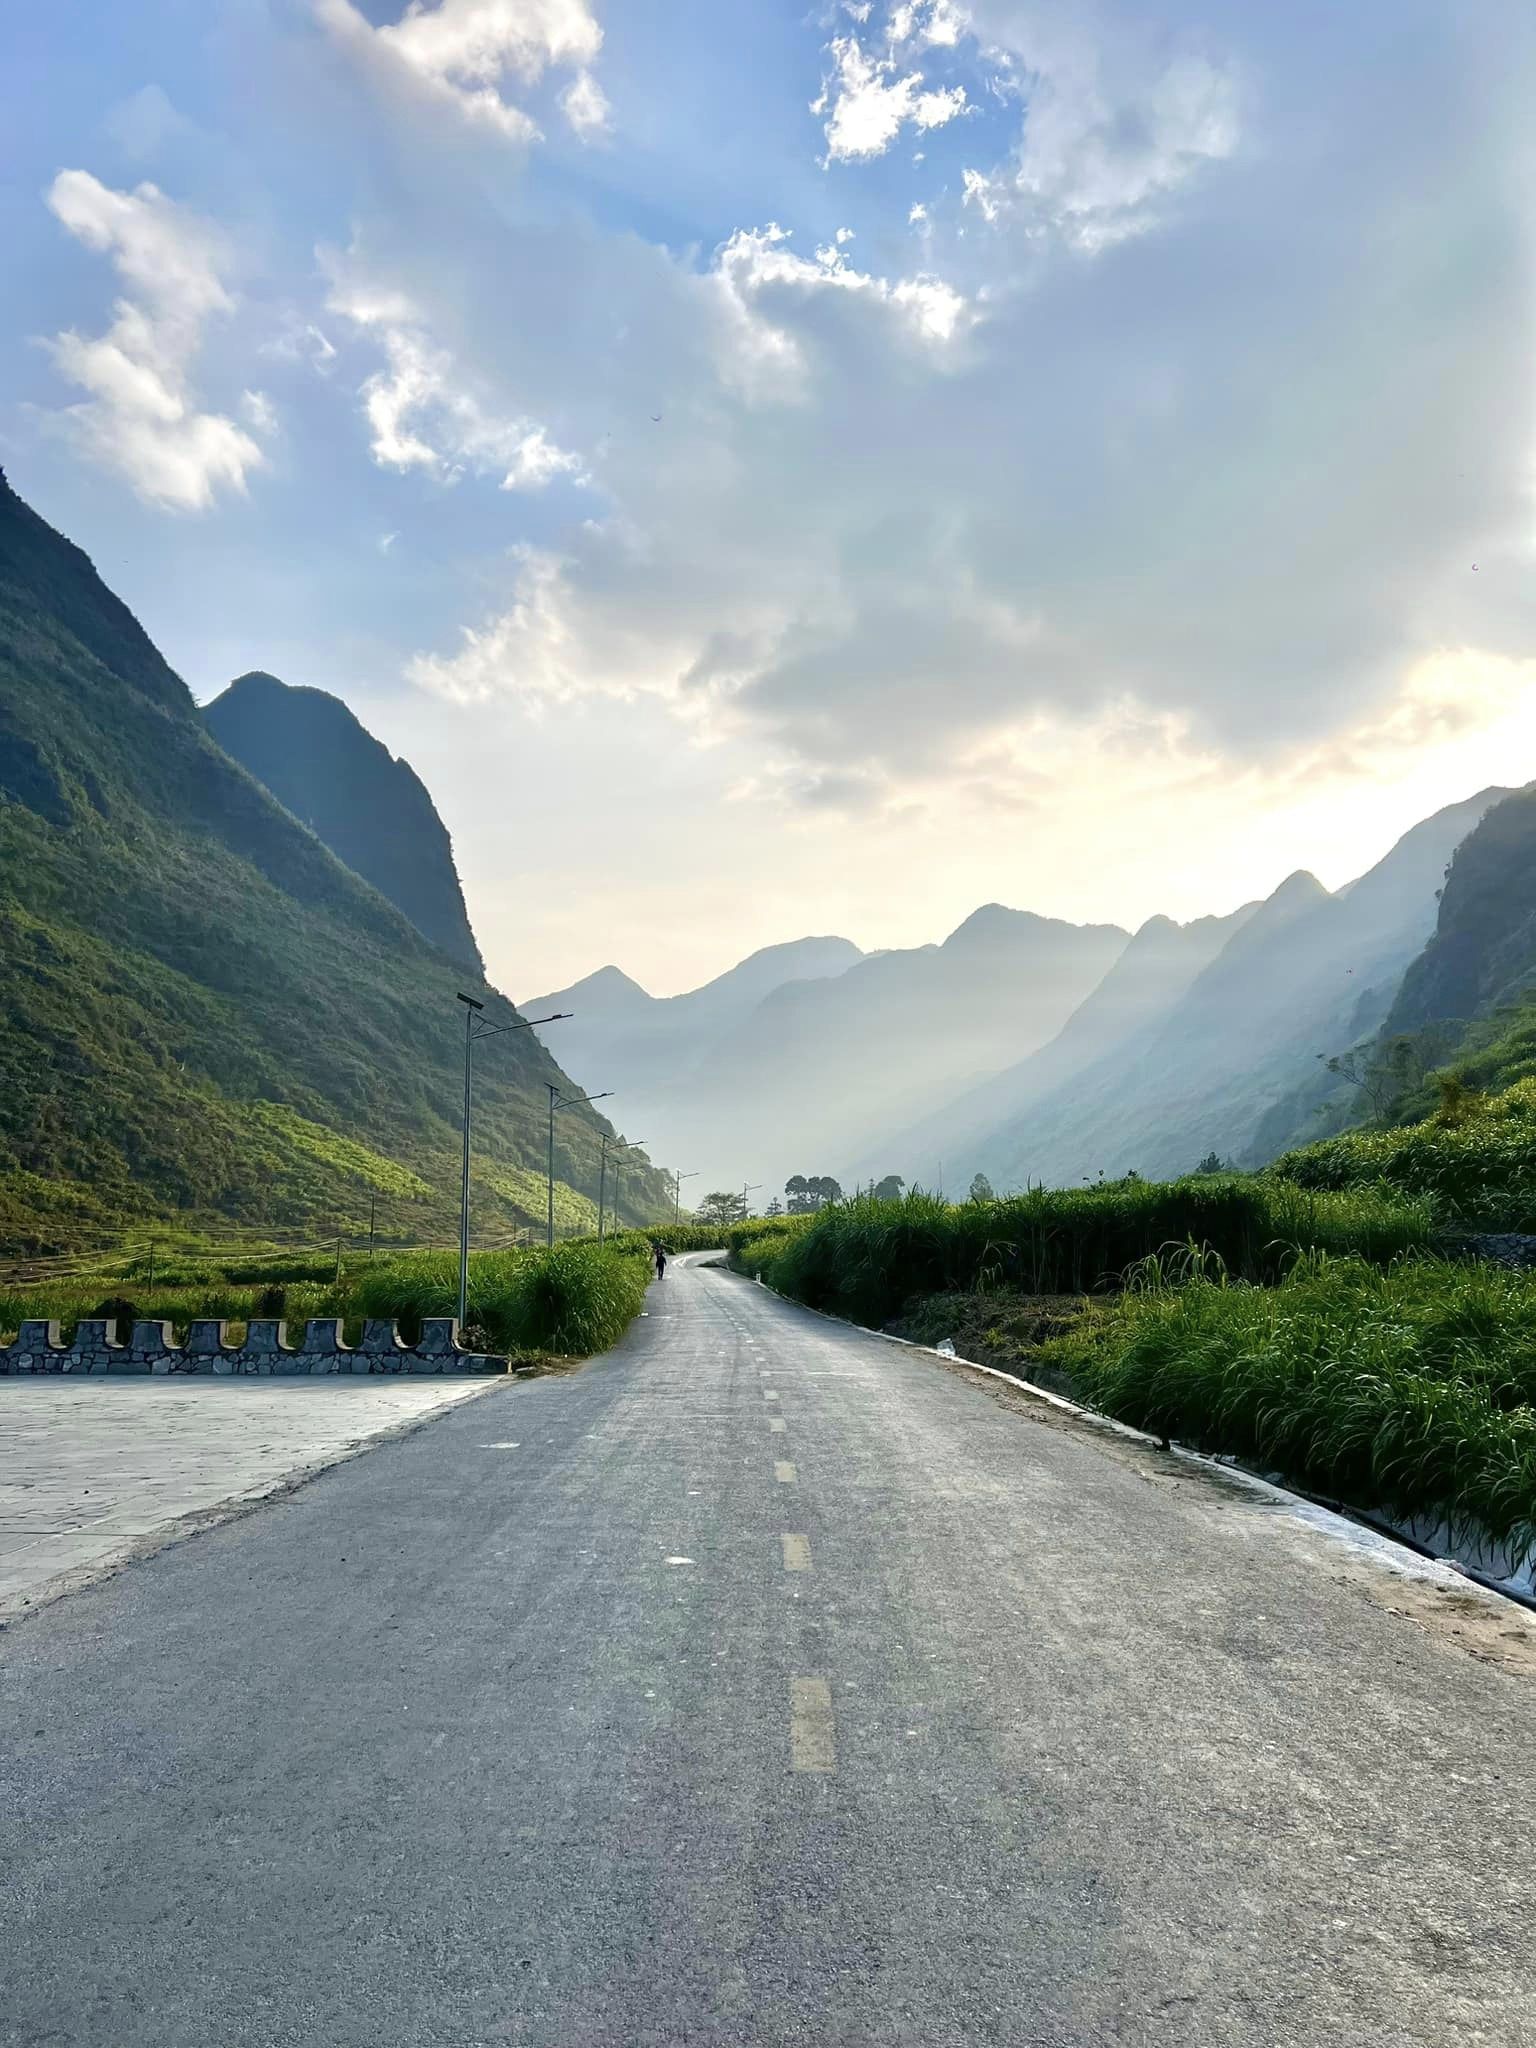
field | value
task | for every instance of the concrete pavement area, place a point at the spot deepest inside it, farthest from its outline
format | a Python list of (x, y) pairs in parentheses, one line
[(93, 1472), (765, 1684)]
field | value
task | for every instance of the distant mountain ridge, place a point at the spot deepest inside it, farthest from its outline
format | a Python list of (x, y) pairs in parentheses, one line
[(638, 1043), (778, 1067), (372, 810), (1034, 1050), (1154, 969), (1224, 1068)]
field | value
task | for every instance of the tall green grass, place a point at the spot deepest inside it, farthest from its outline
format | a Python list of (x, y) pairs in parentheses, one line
[(572, 1301), (176, 1302), (672, 1237), (864, 1259), (1409, 1390)]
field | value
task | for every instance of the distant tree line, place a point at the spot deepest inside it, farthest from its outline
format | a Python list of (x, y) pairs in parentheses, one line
[(806, 1193)]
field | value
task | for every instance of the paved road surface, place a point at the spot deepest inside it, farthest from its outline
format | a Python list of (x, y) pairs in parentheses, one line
[(766, 1684)]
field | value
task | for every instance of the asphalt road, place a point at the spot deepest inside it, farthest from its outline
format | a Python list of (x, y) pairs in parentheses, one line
[(761, 1683)]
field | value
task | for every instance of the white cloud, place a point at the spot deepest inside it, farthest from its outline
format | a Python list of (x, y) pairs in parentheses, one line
[(1109, 129), (1198, 504), (869, 99), (585, 106), (142, 416), (146, 121), (425, 414), (768, 305), (300, 341), (934, 22), (1108, 134), (258, 411), (468, 55)]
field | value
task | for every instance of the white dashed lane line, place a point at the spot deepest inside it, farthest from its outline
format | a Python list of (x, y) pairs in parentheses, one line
[(812, 1731)]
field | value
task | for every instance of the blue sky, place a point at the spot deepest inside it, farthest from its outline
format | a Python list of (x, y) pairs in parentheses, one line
[(1077, 429)]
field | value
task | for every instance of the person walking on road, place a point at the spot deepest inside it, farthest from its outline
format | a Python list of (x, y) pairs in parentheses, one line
[(661, 1260)]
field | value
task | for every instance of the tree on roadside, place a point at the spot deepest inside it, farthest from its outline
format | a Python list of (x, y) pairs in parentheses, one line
[(981, 1189), (1211, 1163), (889, 1189), (796, 1191), (775, 1207), (722, 1207)]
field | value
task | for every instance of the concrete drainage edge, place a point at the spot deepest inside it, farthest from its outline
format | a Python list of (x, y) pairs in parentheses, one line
[(1365, 1542)]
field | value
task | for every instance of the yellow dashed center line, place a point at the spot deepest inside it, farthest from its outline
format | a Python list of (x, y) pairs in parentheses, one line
[(797, 1553), (812, 1731)]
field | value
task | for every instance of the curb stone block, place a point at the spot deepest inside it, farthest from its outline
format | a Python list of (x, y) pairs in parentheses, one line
[(151, 1348)]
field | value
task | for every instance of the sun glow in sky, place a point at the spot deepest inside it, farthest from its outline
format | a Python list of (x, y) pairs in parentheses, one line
[(776, 472)]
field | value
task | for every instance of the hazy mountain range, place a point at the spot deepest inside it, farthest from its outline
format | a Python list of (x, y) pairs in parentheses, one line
[(786, 1058), (1024, 1047)]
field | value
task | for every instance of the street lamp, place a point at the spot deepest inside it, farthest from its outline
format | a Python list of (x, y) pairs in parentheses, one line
[(677, 1192), (559, 1101), (473, 1029), (619, 1145), (750, 1187)]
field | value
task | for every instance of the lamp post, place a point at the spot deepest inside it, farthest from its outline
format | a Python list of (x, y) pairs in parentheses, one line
[(677, 1192), (473, 1029), (619, 1145), (750, 1187), (559, 1101)]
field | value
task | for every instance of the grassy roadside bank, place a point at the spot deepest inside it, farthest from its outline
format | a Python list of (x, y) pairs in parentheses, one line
[(1310, 1333), (1409, 1392), (570, 1301), (866, 1259)]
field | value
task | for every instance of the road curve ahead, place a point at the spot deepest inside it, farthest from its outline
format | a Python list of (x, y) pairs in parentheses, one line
[(762, 1683)]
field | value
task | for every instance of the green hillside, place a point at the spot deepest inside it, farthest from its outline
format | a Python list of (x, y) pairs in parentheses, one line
[(1483, 953), (1467, 1005), (1462, 1022), (205, 1018)]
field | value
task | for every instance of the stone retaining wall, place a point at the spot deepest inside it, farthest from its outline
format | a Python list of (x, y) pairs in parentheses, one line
[(267, 1349)]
